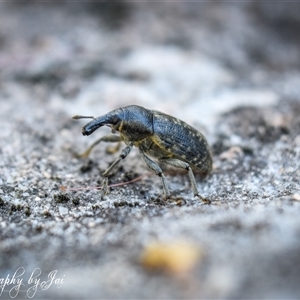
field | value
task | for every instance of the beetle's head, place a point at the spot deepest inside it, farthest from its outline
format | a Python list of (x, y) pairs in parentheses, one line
[(137, 123), (111, 119)]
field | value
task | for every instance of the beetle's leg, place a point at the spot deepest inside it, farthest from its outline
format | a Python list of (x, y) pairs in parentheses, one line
[(123, 155), (158, 171), (183, 165), (107, 138), (113, 149)]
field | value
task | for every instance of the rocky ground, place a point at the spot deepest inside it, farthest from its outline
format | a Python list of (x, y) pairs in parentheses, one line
[(230, 70)]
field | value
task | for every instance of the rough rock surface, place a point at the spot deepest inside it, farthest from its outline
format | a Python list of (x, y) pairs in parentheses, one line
[(230, 70)]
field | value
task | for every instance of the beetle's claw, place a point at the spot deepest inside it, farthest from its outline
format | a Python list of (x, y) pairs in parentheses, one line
[(204, 200), (105, 188), (178, 200), (167, 196)]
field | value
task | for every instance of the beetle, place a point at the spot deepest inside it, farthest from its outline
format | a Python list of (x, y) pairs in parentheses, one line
[(157, 135)]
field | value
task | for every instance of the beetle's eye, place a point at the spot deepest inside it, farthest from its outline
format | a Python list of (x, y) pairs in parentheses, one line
[(115, 120)]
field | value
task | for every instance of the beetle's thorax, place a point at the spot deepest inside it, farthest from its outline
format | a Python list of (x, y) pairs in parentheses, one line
[(136, 125)]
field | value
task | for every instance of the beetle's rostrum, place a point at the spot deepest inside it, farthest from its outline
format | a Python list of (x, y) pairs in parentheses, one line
[(157, 135)]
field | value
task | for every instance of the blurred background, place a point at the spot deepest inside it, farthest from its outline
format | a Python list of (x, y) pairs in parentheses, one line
[(231, 69), (172, 56)]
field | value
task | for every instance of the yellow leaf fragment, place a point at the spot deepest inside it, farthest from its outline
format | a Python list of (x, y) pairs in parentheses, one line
[(174, 258)]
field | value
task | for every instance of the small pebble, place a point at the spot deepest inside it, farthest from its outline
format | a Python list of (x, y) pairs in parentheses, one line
[(232, 153), (63, 210), (296, 197)]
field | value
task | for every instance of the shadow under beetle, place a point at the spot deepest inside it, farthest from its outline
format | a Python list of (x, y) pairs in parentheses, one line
[(156, 134)]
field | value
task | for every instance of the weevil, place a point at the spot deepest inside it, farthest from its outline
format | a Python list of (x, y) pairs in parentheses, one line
[(155, 134)]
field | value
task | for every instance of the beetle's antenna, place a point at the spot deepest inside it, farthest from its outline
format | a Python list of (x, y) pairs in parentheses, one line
[(76, 117)]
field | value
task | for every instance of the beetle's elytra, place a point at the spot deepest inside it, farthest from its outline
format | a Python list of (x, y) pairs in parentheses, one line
[(155, 134)]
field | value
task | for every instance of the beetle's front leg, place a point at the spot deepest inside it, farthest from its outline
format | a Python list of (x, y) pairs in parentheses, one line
[(124, 153), (106, 138)]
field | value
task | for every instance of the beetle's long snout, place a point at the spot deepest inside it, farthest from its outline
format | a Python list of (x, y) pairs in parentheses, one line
[(110, 119), (90, 127)]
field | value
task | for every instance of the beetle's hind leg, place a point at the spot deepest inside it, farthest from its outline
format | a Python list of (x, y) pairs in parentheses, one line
[(107, 138), (183, 165), (158, 171)]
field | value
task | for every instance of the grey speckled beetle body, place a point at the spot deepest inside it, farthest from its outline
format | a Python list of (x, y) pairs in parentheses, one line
[(156, 134)]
